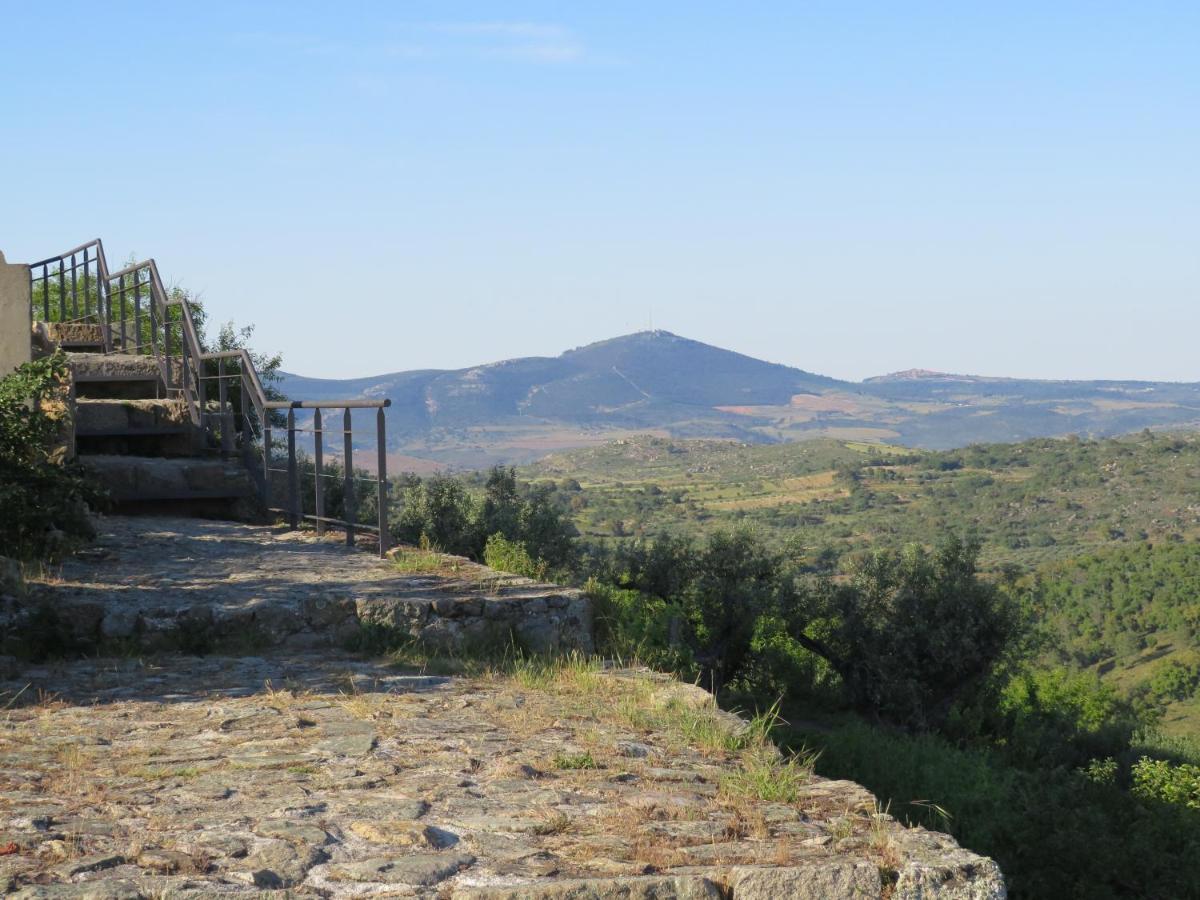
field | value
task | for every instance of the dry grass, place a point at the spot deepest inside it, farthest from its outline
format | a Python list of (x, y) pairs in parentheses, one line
[(553, 822)]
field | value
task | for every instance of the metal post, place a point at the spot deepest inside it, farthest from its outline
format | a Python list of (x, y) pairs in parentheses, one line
[(202, 392), (62, 290), (247, 428), (74, 289), (124, 341), (154, 325), (348, 472), (381, 481), (226, 415), (87, 288), (293, 482), (107, 310), (266, 424), (137, 314), (318, 460)]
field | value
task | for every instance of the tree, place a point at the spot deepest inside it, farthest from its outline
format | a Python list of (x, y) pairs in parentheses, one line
[(910, 634), (735, 582)]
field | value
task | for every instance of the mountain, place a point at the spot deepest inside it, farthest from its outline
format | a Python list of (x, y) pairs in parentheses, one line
[(658, 382)]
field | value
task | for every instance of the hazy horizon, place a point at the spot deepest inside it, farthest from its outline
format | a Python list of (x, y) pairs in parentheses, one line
[(848, 189)]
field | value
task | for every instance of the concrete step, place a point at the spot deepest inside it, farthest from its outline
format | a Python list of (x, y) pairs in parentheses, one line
[(76, 335), (115, 375), (138, 479), (114, 416)]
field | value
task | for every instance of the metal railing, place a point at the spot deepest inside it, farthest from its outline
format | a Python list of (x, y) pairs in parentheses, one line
[(71, 287), (138, 316), (349, 479)]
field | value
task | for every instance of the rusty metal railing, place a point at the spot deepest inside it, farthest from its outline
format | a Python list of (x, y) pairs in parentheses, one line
[(72, 286), (318, 429), (136, 315)]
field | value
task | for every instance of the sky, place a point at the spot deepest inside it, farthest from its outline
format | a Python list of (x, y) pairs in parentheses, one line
[(850, 188)]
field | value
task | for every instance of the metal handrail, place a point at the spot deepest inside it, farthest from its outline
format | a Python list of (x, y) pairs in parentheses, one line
[(191, 386)]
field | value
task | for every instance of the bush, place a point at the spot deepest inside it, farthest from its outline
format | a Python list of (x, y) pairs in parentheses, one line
[(1156, 779), (439, 512), (1050, 717), (44, 503), (511, 556), (1054, 832), (630, 625)]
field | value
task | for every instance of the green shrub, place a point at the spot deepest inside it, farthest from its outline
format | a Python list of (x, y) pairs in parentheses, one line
[(1156, 779), (1054, 832), (630, 625), (511, 556), (44, 503)]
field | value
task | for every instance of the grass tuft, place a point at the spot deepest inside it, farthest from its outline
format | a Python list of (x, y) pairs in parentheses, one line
[(574, 761), (766, 776)]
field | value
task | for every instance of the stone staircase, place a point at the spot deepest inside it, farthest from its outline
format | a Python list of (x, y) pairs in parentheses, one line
[(142, 444), (167, 425)]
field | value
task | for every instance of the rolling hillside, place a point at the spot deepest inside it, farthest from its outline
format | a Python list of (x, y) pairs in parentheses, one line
[(1108, 531), (657, 382)]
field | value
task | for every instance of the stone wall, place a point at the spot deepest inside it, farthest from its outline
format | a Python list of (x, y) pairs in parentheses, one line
[(541, 618), (16, 321)]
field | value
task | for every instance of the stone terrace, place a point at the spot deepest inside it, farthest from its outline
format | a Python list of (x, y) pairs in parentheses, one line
[(313, 772), (207, 583)]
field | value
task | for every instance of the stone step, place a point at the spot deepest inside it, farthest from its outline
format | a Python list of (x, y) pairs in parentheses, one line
[(116, 375), (137, 479), (110, 417), (125, 427), (76, 334), (113, 367)]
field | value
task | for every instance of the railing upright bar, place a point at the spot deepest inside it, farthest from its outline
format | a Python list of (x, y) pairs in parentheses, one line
[(381, 481), (108, 316), (348, 475), (74, 290), (103, 304), (121, 292), (62, 290), (137, 314), (247, 426), (87, 286), (293, 480), (318, 460), (266, 423), (154, 325), (226, 419)]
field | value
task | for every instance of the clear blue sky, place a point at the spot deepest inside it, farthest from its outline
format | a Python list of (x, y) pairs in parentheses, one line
[(852, 188)]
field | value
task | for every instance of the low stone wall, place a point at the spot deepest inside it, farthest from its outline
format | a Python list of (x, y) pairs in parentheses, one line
[(201, 585), (544, 618)]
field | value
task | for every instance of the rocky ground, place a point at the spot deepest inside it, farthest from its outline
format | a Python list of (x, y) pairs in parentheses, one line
[(320, 773)]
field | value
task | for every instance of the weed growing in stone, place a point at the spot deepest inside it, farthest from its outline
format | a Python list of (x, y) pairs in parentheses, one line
[(574, 761), (766, 776)]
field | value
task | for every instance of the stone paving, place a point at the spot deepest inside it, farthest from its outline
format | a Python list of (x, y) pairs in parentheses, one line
[(160, 582), (316, 773)]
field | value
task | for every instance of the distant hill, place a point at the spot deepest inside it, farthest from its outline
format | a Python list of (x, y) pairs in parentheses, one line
[(657, 382)]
